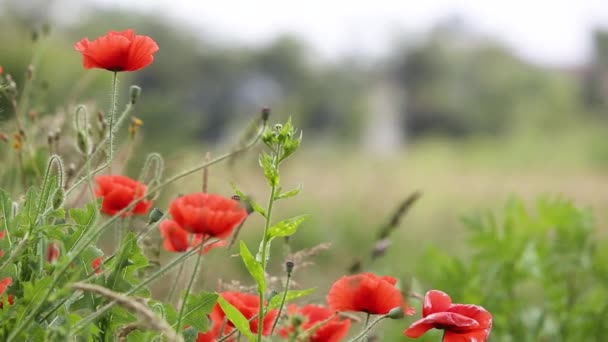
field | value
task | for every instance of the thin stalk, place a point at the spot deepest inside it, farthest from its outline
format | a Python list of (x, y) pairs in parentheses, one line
[(189, 288), (368, 327), (111, 121), (86, 320), (264, 246), (24, 322), (175, 282), (276, 320)]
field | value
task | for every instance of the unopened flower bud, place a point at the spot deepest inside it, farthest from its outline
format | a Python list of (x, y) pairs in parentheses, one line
[(265, 114), (58, 198), (135, 91), (395, 313), (289, 265), (82, 142), (155, 215)]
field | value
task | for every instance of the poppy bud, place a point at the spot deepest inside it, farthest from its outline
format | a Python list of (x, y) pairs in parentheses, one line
[(265, 114), (82, 142), (155, 215), (134, 92), (395, 313), (289, 265), (58, 198)]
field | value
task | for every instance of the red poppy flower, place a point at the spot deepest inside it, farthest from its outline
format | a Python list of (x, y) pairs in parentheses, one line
[(118, 192), (366, 292), (96, 264), (2, 234), (332, 331), (117, 51), (248, 305), (4, 283), (176, 239), (207, 214), (461, 322), (0, 69), (52, 252)]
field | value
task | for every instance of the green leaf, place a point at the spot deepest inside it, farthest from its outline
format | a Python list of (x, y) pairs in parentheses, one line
[(190, 334), (236, 317), (275, 301), (270, 171), (289, 193), (286, 227), (6, 209), (254, 267), (197, 309)]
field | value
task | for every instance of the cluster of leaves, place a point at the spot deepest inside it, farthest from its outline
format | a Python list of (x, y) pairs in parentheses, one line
[(541, 273)]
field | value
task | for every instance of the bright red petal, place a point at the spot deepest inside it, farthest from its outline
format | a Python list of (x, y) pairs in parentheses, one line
[(440, 320), (476, 312), (473, 336), (435, 301)]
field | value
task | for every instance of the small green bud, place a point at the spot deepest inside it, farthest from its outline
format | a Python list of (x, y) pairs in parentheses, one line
[(155, 215), (395, 313), (278, 127), (135, 91), (58, 198), (83, 144)]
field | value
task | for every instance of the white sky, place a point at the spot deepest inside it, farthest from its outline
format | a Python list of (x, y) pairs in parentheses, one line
[(543, 31)]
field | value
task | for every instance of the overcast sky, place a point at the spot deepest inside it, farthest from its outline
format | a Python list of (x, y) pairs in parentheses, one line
[(543, 31)]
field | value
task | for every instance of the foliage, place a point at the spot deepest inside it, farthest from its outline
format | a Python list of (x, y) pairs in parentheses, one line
[(540, 272)]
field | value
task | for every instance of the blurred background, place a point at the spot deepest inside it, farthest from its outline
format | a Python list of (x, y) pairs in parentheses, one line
[(468, 102)]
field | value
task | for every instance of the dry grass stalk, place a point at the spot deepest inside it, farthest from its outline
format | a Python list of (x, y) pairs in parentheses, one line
[(148, 317)]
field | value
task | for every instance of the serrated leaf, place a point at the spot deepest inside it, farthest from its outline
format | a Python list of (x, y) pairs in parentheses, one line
[(286, 227), (253, 266), (197, 309), (275, 301), (289, 193), (270, 172), (236, 318)]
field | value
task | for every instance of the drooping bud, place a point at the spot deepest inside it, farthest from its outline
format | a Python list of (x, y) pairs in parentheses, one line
[(52, 252), (83, 143), (134, 92), (265, 114), (155, 215), (395, 313), (58, 198)]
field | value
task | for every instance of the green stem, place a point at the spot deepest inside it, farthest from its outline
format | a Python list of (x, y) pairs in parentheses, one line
[(25, 322), (176, 280), (189, 288), (368, 327), (86, 320), (276, 320), (264, 246)]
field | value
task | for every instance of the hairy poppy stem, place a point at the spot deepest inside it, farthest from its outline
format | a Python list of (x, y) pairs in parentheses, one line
[(368, 326), (24, 322), (111, 121)]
